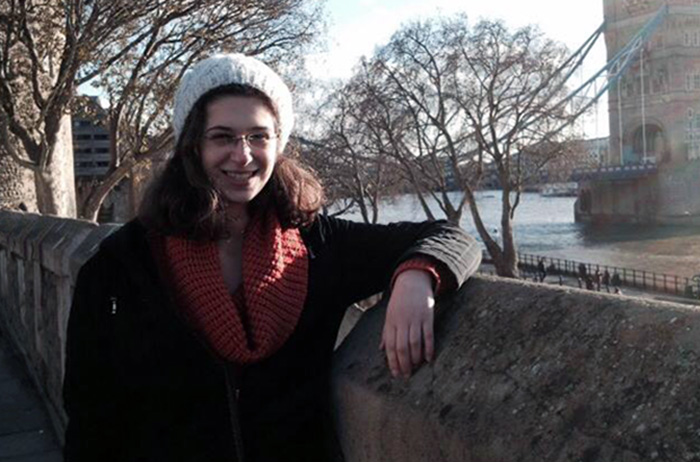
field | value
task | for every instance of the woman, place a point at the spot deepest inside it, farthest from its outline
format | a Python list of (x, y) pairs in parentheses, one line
[(204, 329)]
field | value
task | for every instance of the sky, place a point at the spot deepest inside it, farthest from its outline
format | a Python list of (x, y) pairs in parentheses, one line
[(356, 27)]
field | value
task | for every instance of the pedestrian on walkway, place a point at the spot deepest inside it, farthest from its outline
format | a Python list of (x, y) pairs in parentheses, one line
[(606, 280), (616, 281), (541, 270), (582, 270), (204, 329)]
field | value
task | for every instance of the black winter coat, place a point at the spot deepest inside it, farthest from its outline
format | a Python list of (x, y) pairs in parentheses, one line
[(141, 386)]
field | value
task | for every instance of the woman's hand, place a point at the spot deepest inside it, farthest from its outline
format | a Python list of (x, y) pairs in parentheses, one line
[(408, 329)]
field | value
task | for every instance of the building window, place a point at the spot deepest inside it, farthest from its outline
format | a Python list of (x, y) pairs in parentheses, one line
[(102, 150), (101, 137), (84, 137), (688, 82), (648, 143)]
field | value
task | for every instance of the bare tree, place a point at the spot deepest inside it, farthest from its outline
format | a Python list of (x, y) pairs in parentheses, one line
[(511, 92), (355, 163), (134, 53), (455, 101)]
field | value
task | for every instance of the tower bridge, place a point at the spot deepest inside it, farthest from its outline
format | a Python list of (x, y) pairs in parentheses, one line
[(652, 171)]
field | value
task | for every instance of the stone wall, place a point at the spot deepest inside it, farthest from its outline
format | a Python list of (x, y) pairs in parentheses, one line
[(39, 260), (529, 373), (524, 372)]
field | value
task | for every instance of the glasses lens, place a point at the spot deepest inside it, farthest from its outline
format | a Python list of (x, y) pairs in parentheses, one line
[(258, 140)]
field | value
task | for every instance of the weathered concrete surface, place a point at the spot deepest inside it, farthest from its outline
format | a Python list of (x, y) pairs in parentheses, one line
[(529, 373), (39, 260)]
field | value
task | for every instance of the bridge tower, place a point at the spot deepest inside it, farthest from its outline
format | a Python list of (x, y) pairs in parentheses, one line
[(652, 174), (655, 107)]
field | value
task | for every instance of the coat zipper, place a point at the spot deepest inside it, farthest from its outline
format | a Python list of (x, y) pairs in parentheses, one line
[(232, 389), (232, 396), (233, 393)]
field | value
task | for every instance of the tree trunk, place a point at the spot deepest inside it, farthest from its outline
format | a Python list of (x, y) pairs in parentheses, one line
[(503, 259), (100, 192), (55, 183), (453, 215), (508, 261)]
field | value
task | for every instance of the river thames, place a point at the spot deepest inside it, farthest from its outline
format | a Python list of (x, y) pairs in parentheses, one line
[(545, 226)]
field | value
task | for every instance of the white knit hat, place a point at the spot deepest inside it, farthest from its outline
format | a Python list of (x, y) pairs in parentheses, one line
[(225, 69)]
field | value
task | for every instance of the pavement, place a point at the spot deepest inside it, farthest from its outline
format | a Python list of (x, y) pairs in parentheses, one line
[(26, 433)]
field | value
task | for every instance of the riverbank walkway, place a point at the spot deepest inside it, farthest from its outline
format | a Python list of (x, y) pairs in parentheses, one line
[(530, 274), (26, 433)]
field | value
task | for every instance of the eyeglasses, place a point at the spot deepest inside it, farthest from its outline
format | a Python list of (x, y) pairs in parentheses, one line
[(255, 140)]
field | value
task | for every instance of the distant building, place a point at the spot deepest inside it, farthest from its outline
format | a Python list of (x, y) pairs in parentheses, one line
[(90, 148), (91, 156)]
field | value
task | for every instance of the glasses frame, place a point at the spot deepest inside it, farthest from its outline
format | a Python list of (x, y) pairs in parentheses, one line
[(223, 140)]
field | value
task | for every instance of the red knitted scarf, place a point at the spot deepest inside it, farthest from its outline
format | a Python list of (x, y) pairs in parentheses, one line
[(256, 321)]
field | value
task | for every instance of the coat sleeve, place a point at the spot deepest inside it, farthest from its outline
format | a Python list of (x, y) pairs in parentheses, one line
[(92, 399), (369, 254)]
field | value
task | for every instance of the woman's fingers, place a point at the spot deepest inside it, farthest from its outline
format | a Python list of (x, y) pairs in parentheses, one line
[(428, 341), (403, 351), (406, 347), (415, 344), (390, 350)]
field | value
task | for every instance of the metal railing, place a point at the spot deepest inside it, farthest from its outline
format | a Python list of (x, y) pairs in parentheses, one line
[(628, 277)]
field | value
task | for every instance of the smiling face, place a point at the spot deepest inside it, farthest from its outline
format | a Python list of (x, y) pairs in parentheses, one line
[(239, 147)]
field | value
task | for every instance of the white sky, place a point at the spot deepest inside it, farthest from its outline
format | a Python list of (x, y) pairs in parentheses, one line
[(356, 27)]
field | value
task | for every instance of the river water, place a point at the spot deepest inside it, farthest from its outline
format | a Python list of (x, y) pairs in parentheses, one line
[(545, 226)]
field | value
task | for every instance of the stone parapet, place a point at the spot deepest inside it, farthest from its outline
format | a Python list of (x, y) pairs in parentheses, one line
[(39, 260), (529, 373)]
